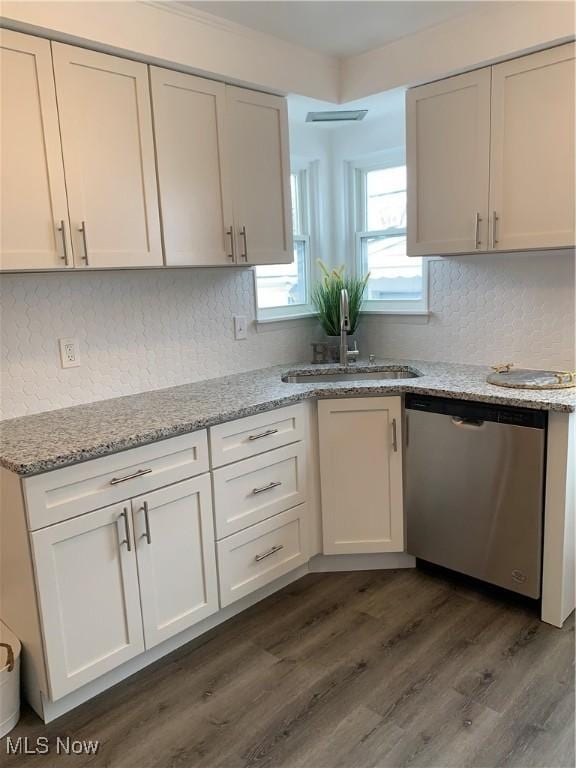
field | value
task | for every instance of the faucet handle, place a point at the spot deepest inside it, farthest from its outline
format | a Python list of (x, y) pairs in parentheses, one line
[(371, 357)]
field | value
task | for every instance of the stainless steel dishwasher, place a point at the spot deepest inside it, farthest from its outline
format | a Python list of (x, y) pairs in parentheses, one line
[(474, 489)]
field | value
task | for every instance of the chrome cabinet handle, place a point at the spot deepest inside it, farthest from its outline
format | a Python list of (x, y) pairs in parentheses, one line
[(394, 436), (126, 530), (243, 235), (82, 228), (267, 433), (494, 220), (116, 480), (271, 551), (231, 255), (269, 487), (147, 534), (407, 430), (62, 231), (477, 220)]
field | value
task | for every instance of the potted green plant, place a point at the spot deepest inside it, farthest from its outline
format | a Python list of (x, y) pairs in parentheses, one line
[(326, 298)]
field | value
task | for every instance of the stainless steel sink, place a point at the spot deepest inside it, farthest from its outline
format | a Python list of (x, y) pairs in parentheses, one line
[(335, 376)]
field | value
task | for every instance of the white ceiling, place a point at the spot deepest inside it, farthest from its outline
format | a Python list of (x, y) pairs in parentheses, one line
[(344, 28)]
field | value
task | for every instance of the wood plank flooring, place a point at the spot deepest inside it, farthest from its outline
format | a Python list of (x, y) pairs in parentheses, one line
[(350, 670)]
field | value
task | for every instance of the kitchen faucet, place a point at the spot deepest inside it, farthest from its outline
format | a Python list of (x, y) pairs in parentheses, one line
[(345, 353)]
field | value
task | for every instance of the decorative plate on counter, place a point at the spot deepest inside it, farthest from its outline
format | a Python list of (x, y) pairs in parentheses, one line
[(525, 378)]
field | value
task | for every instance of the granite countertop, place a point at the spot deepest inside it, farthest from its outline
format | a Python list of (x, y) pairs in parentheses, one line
[(42, 442)]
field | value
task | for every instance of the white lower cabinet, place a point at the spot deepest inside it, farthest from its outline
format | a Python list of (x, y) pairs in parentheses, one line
[(361, 475), (89, 603), (261, 553), (124, 578), (174, 534)]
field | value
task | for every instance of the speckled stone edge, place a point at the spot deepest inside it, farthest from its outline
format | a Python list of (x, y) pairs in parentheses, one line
[(51, 440)]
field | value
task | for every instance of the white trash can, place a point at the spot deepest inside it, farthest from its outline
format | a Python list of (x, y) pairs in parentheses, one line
[(9, 679)]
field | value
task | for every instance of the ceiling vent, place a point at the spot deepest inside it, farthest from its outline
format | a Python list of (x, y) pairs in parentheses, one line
[(343, 115)]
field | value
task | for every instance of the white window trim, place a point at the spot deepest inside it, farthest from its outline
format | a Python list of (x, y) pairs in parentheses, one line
[(307, 172), (357, 211)]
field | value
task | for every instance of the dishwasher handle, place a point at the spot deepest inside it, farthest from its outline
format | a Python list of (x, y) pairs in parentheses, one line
[(458, 421)]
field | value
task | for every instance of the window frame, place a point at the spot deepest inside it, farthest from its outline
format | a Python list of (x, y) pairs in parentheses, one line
[(306, 179), (358, 192)]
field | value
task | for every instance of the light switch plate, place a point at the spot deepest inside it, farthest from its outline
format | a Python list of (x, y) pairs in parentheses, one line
[(69, 356), (240, 327)]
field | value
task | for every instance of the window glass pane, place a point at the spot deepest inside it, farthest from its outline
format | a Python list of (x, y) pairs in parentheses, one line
[(296, 203), (282, 285), (393, 275), (386, 198)]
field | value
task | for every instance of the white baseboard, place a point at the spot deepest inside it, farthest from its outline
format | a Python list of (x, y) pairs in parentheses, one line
[(370, 562)]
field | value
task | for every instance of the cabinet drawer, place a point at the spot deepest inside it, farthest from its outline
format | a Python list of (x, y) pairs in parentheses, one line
[(256, 556), (255, 489), (247, 437), (64, 493)]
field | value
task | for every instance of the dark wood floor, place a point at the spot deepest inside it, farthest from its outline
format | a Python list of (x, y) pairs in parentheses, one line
[(390, 669)]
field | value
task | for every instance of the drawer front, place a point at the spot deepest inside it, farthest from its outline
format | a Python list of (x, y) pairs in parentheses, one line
[(256, 556), (71, 491), (247, 437), (254, 489)]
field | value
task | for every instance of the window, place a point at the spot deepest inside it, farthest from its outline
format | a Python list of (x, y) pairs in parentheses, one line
[(397, 283), (283, 290)]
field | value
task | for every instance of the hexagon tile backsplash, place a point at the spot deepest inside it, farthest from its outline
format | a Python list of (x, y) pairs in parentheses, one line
[(488, 308), (136, 331), (145, 330)]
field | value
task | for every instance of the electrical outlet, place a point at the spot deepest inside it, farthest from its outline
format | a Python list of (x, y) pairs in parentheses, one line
[(69, 357), (240, 327)]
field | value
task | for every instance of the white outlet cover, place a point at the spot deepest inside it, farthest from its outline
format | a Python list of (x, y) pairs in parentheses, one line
[(69, 355), (240, 327)]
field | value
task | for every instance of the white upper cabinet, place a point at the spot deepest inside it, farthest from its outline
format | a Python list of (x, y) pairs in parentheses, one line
[(194, 185), (490, 158), (361, 475), (34, 230), (258, 130), (532, 152), (108, 148), (174, 534), (448, 148)]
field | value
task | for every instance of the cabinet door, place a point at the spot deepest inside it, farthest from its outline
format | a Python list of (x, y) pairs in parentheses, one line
[(88, 594), (447, 158), (258, 125), (106, 124), (174, 533), (194, 187), (34, 231), (532, 151), (361, 475)]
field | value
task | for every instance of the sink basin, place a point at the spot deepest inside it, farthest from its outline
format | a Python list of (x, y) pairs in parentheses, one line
[(335, 376)]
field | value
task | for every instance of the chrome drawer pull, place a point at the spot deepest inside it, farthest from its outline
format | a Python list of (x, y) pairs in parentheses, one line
[(263, 434), (272, 551), (273, 484), (126, 530), (147, 535), (116, 480)]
